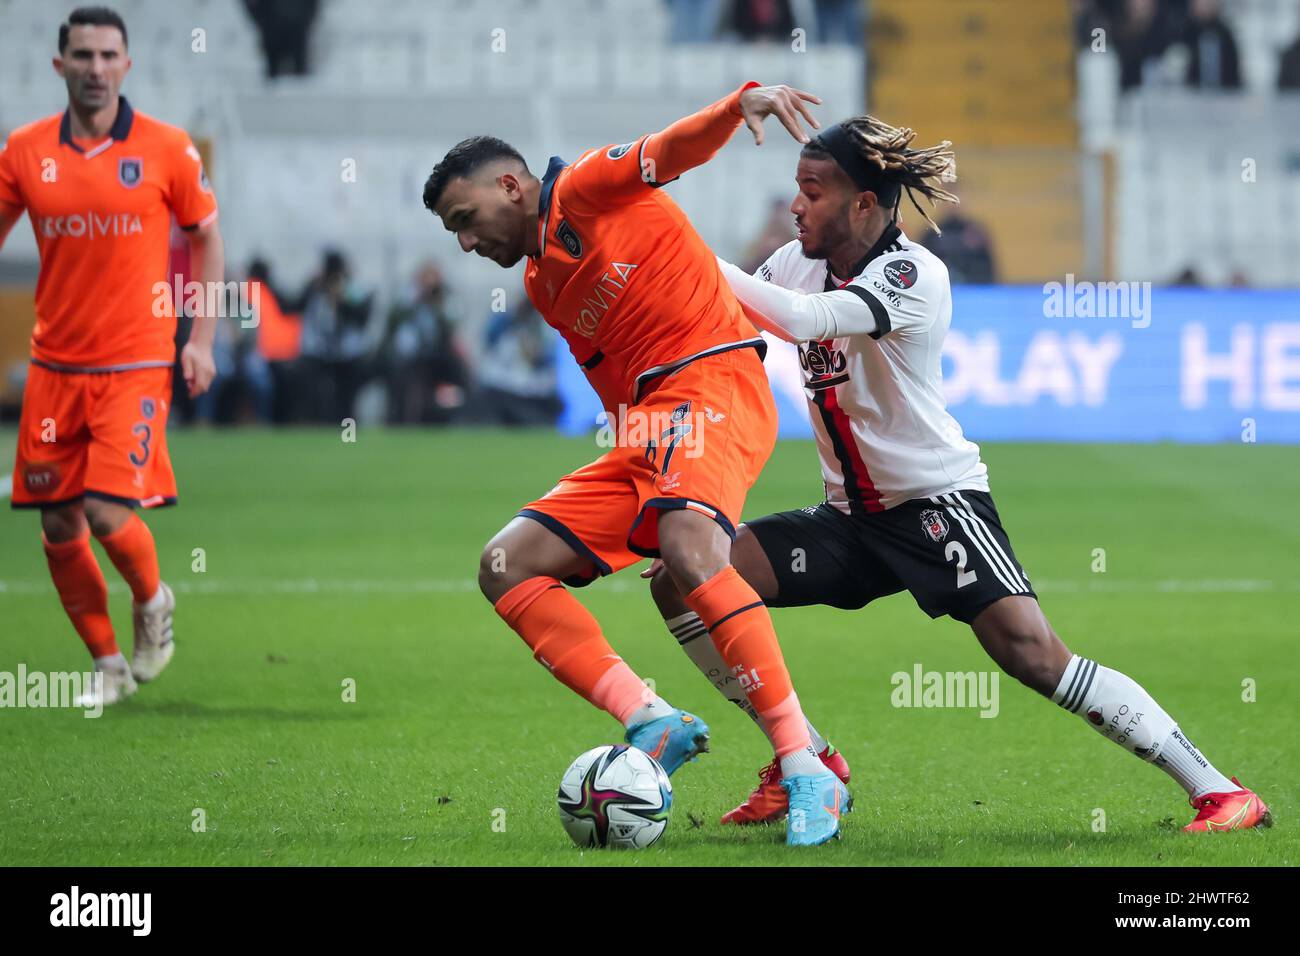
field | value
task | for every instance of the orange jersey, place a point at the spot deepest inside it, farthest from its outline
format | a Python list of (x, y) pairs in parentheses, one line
[(102, 216), (621, 273)]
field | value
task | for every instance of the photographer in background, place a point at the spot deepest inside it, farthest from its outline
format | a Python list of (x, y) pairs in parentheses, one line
[(336, 346), (425, 370)]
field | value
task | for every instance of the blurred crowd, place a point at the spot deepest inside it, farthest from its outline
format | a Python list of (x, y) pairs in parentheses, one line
[(1175, 42), (285, 26), (328, 352), (757, 21)]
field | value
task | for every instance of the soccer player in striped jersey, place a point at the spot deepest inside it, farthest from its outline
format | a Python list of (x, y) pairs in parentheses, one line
[(101, 183), (907, 497), (616, 268)]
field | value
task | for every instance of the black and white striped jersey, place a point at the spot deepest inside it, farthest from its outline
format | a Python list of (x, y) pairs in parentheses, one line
[(876, 400)]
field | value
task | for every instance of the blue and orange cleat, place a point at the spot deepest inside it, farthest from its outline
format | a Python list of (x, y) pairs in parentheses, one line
[(768, 802), (671, 740), (816, 802), (1237, 810)]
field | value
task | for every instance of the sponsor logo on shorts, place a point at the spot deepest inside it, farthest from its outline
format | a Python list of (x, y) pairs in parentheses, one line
[(934, 524), (147, 407), (40, 479), (901, 273)]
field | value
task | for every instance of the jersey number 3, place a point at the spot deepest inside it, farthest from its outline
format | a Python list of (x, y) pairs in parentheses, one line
[(144, 433), (955, 549)]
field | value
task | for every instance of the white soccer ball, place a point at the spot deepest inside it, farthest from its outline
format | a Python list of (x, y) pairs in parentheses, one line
[(615, 796)]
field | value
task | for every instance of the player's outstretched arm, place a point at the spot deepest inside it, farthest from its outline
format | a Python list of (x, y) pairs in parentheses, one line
[(208, 254), (801, 316), (623, 173), (695, 139)]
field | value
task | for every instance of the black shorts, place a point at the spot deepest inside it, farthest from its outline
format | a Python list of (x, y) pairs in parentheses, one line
[(950, 551)]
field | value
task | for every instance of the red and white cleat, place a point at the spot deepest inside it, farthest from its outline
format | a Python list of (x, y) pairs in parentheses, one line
[(1238, 810), (769, 800)]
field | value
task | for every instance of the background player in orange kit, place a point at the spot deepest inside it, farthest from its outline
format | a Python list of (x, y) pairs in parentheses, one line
[(101, 183), (617, 269)]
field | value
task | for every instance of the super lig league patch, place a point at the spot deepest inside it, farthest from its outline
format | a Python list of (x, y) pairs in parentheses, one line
[(901, 273), (130, 171), (618, 152)]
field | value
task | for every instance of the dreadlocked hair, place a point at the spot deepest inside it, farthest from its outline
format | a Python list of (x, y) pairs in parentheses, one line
[(915, 170)]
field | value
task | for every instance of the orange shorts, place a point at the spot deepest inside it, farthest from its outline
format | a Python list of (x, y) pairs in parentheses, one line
[(96, 434), (698, 440)]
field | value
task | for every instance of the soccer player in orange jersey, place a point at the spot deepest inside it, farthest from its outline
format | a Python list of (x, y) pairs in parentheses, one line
[(615, 266), (101, 183)]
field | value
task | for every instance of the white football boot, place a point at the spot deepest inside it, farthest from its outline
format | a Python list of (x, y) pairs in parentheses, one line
[(115, 685), (153, 636)]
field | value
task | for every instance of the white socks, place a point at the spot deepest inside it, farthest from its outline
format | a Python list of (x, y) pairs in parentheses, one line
[(803, 761), (1120, 710), (112, 662), (158, 600), (688, 628), (656, 708)]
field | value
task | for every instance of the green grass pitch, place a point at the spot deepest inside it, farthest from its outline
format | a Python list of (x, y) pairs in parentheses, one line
[(328, 561)]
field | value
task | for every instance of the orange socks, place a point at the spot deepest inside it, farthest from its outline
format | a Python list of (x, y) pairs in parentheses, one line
[(133, 553), (566, 639), (83, 592), (741, 628)]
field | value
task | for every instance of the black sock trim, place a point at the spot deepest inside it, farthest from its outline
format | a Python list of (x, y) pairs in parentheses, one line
[(739, 610), (1087, 686), (1074, 682)]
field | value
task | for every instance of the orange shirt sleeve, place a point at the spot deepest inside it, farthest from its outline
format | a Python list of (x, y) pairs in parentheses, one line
[(11, 193), (615, 174), (190, 195)]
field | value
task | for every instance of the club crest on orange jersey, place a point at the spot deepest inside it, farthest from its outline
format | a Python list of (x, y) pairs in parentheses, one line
[(572, 244), (130, 170), (934, 524)]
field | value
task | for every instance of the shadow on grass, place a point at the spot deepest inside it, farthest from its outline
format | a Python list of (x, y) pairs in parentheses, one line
[(188, 708)]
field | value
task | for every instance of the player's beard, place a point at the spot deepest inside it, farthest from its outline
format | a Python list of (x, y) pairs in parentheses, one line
[(834, 234)]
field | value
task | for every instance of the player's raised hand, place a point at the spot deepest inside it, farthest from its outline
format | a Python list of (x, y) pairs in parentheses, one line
[(199, 368), (784, 102)]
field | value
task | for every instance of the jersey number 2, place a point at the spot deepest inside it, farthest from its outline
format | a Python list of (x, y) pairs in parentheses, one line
[(956, 550)]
